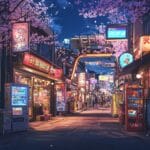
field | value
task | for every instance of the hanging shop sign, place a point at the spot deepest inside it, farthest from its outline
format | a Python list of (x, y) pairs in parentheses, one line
[(56, 73), (108, 78), (101, 63), (145, 43), (36, 63), (125, 59), (81, 80), (20, 37), (87, 85), (60, 97)]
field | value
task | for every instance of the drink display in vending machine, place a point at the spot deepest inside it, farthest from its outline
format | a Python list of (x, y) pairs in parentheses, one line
[(134, 108), (17, 96)]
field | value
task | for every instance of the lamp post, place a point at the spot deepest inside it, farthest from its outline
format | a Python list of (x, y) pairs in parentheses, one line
[(53, 98)]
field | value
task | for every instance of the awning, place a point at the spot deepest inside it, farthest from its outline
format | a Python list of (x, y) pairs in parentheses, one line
[(137, 64)]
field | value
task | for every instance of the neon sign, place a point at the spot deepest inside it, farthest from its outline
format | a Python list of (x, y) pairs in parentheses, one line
[(125, 59), (36, 63)]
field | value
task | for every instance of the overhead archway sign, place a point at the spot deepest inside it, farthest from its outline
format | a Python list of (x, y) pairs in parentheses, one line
[(87, 56)]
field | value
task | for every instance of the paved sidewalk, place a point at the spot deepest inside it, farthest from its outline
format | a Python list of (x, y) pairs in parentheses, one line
[(88, 130), (36, 125)]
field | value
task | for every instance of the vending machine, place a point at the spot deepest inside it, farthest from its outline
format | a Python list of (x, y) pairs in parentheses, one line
[(16, 102), (134, 108)]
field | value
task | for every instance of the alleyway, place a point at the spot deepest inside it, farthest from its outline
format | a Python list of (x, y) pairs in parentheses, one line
[(88, 130)]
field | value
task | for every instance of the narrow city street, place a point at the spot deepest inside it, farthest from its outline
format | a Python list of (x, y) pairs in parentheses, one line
[(87, 130), (74, 74)]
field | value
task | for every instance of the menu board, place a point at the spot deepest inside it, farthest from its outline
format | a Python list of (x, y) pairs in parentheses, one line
[(19, 95)]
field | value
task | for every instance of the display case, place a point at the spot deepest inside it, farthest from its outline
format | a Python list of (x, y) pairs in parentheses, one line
[(134, 107)]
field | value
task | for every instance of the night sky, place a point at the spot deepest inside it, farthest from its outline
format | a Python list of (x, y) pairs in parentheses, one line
[(67, 21), (72, 24)]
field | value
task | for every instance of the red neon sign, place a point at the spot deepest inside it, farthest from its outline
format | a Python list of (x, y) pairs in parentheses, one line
[(36, 63), (58, 73)]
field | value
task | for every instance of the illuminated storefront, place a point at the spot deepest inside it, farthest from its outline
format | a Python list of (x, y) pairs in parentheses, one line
[(41, 76), (138, 110)]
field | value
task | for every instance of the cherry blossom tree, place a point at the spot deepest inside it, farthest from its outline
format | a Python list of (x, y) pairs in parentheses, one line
[(117, 11), (114, 12), (25, 10)]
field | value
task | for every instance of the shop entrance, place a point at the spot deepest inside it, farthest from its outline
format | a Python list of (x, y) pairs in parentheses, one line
[(40, 94), (41, 98)]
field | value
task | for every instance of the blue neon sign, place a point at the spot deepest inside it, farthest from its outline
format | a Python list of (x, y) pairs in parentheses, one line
[(125, 59), (116, 32)]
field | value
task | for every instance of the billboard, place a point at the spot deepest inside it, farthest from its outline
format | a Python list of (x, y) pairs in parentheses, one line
[(116, 32), (20, 37)]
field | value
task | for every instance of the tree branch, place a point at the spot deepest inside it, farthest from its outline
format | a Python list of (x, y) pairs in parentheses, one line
[(16, 6)]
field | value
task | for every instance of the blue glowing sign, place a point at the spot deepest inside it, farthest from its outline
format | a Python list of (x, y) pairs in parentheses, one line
[(125, 59), (19, 95), (116, 32)]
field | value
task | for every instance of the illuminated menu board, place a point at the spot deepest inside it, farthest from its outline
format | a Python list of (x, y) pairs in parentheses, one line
[(19, 95)]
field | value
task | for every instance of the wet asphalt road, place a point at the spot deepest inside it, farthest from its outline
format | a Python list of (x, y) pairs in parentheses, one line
[(89, 130)]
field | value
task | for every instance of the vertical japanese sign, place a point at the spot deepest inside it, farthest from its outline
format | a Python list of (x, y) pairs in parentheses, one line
[(20, 37), (60, 97), (81, 80)]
